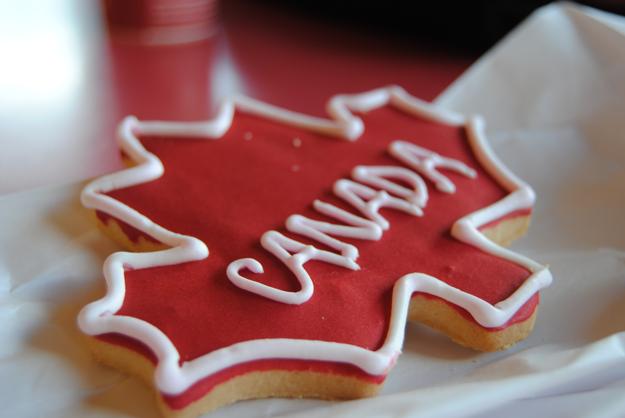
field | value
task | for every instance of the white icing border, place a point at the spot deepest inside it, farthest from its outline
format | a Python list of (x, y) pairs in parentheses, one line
[(171, 378)]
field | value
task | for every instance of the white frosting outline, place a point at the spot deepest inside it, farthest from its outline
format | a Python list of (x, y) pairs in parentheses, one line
[(173, 378), (376, 176)]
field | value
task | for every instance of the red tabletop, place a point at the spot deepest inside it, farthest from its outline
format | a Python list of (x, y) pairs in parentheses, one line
[(65, 83)]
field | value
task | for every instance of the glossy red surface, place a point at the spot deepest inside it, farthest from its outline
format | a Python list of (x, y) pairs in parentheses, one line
[(228, 192), (65, 84)]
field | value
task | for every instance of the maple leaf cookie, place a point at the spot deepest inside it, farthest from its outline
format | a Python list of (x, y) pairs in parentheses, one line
[(280, 254)]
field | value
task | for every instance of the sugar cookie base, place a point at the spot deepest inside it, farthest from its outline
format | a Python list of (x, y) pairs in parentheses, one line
[(442, 317), (253, 385)]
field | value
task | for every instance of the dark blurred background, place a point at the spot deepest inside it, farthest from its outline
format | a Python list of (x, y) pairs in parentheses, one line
[(470, 25)]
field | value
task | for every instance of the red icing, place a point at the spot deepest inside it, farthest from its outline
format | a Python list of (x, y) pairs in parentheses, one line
[(230, 191), (524, 312)]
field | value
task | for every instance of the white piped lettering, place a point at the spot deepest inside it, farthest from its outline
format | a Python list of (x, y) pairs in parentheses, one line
[(295, 254), (377, 176), (369, 201), (425, 162)]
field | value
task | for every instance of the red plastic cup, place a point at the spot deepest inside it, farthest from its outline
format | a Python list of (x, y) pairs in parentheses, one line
[(161, 22)]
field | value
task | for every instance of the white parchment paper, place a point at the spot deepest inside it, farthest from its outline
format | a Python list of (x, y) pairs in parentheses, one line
[(553, 95)]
